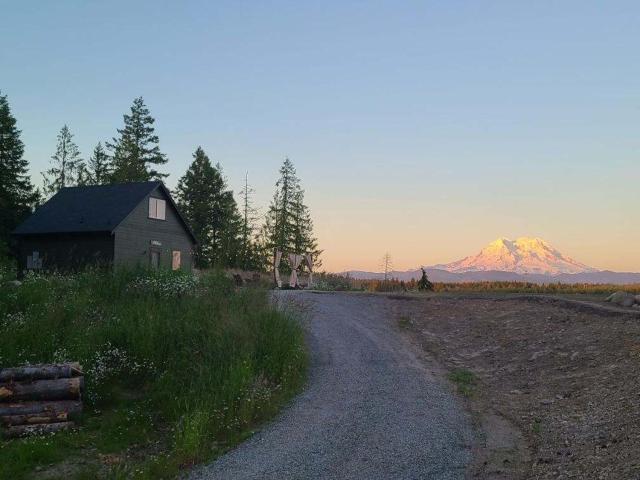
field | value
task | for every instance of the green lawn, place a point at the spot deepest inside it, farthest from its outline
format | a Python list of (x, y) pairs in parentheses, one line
[(177, 369)]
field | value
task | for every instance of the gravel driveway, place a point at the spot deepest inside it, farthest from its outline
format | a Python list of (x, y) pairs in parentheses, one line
[(371, 409)]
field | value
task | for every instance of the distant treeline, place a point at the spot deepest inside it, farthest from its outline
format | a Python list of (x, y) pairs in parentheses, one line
[(331, 281), (230, 234)]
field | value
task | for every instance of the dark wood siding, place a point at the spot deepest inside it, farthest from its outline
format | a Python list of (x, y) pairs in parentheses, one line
[(64, 252), (138, 235)]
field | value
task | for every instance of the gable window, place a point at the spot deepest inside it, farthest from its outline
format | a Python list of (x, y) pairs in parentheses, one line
[(157, 208)]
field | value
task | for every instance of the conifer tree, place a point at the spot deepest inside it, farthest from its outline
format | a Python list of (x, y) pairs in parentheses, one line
[(304, 240), (136, 152), (17, 194), (211, 211), (288, 221), (424, 284), (281, 216), (67, 167), (99, 167), (228, 254), (263, 249)]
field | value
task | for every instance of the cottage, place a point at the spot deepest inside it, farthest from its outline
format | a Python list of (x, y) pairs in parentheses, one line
[(132, 224)]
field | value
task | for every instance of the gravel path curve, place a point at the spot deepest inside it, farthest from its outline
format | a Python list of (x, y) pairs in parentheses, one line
[(370, 411)]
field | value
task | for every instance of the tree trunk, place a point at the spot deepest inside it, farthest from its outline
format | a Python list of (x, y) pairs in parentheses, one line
[(34, 418), (40, 372), (24, 430), (60, 389), (30, 408)]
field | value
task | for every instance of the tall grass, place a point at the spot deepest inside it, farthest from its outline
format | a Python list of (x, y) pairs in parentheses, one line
[(193, 364)]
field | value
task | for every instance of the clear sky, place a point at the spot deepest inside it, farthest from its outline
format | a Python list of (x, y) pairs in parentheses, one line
[(425, 129)]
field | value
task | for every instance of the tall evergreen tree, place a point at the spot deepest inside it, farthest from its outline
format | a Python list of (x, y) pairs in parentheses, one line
[(263, 248), (67, 167), (211, 211), (17, 194), (304, 240), (99, 168), (288, 221), (281, 215), (136, 152)]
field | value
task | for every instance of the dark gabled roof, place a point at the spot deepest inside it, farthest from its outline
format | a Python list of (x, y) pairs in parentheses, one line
[(96, 208)]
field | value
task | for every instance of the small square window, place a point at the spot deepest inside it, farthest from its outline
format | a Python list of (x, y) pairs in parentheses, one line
[(157, 208)]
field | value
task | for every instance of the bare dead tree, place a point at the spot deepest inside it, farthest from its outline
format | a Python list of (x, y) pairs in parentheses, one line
[(249, 216), (387, 265)]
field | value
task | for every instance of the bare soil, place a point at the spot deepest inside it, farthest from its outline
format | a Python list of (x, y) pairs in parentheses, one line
[(556, 387)]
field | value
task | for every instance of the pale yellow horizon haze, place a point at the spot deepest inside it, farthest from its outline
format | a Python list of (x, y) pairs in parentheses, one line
[(342, 254), (586, 215)]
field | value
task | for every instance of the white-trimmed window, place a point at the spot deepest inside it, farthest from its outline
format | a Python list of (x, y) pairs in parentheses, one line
[(157, 208)]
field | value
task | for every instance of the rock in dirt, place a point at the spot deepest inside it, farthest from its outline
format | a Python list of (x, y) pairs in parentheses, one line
[(624, 299)]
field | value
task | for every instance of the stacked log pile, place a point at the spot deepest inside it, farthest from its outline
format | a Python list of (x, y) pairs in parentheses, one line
[(39, 398)]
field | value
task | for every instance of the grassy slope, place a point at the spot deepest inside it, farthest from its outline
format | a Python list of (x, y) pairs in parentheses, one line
[(176, 370)]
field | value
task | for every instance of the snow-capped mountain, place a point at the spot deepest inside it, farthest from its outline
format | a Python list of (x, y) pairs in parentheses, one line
[(522, 260), (524, 255)]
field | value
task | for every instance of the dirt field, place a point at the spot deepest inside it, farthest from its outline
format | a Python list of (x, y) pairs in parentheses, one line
[(555, 384)]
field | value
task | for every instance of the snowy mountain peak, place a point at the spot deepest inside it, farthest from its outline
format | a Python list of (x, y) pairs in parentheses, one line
[(523, 255)]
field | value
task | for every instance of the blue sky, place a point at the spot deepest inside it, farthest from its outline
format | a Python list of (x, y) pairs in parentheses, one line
[(425, 129)]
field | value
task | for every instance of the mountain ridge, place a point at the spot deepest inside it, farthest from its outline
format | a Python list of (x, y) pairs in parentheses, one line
[(525, 255), (526, 259)]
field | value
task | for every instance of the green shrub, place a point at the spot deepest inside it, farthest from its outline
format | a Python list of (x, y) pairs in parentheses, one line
[(464, 379)]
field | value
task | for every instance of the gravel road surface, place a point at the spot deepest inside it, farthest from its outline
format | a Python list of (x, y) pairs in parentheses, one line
[(371, 409)]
